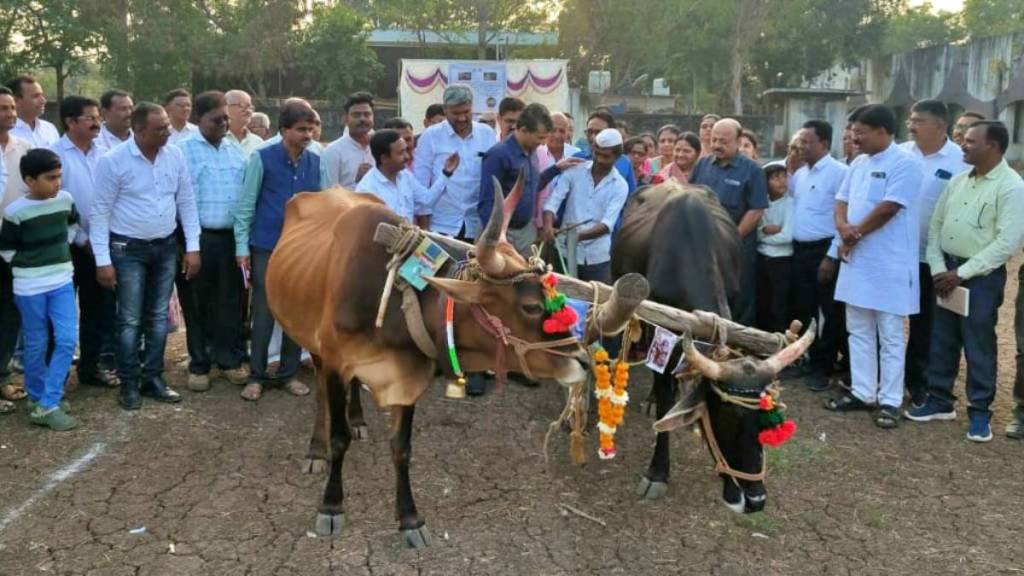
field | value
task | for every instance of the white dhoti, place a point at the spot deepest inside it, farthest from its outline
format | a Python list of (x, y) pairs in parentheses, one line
[(876, 341)]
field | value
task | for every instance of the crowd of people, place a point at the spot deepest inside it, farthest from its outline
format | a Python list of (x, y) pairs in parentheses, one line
[(137, 201)]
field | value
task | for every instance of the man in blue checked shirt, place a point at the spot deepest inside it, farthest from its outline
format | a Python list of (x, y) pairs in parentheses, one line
[(211, 302)]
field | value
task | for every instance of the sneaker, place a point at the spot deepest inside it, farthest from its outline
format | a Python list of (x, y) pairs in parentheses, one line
[(1015, 429), (980, 430), (198, 382), (55, 419), (930, 411), (237, 376), (31, 406)]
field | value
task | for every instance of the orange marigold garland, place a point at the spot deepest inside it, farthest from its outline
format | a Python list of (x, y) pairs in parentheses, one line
[(611, 400), (775, 429)]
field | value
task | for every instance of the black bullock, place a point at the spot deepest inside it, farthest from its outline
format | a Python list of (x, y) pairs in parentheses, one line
[(687, 246)]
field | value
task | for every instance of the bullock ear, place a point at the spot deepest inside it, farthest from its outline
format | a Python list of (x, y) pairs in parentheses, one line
[(459, 290)]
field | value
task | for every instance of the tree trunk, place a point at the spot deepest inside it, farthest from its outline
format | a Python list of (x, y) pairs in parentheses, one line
[(738, 57), (58, 69), (483, 22)]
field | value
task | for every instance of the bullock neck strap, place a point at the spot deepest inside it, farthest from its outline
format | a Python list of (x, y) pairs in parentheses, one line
[(721, 464), (505, 339)]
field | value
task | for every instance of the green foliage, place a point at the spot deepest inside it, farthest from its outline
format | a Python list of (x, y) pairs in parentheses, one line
[(52, 34), (337, 35), (919, 27), (993, 17)]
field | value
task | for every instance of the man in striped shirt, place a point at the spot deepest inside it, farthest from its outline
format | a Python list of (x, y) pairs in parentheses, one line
[(34, 240)]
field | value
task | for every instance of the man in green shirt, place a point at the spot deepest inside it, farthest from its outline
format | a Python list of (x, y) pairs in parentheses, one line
[(976, 228)]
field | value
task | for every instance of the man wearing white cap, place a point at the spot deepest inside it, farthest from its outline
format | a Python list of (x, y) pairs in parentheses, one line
[(596, 193)]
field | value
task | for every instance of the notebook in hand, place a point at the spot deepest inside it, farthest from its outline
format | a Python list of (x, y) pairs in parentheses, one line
[(958, 301)]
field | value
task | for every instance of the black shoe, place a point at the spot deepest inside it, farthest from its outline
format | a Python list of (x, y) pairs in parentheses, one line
[(794, 371), (129, 398), (476, 384), (157, 389), (816, 382)]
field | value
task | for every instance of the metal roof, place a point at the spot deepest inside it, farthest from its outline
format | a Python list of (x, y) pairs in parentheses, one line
[(402, 37), (811, 92)]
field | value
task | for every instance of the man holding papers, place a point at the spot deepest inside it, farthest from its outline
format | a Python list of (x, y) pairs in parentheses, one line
[(976, 228)]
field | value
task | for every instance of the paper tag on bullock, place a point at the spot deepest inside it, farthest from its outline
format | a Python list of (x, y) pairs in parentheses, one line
[(661, 349), (424, 262), (581, 309)]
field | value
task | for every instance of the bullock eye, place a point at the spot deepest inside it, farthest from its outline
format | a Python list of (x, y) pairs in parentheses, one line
[(533, 309)]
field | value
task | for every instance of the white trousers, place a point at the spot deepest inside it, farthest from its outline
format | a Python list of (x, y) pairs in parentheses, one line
[(876, 338)]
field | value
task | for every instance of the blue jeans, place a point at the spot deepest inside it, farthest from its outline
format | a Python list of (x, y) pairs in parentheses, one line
[(976, 335), (145, 277), (44, 382)]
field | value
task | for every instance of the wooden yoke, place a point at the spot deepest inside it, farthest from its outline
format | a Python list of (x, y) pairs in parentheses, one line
[(702, 325)]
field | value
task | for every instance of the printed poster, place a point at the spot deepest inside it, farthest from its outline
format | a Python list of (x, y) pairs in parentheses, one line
[(486, 80)]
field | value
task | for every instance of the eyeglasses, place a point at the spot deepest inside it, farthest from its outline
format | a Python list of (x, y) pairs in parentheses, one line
[(88, 118)]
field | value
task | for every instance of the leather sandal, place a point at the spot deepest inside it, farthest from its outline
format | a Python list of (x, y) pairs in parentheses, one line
[(252, 391), (12, 391), (296, 388)]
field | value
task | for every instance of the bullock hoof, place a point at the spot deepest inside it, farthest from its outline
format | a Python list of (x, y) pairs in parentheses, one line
[(754, 503), (738, 507), (314, 466), (416, 538), (360, 432), (329, 524), (651, 490)]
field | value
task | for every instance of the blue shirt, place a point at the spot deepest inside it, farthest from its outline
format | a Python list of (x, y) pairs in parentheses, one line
[(216, 179), (504, 160), (739, 183), (140, 199)]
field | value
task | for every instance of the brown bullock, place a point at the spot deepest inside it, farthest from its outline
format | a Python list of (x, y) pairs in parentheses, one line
[(324, 285)]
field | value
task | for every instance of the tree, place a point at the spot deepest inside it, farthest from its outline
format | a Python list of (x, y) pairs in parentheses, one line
[(919, 27), (333, 50), (993, 17), (53, 34)]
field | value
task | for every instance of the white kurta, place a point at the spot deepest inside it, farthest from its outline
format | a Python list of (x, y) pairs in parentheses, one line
[(882, 271)]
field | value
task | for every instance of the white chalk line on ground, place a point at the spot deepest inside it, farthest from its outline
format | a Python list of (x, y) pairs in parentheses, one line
[(60, 476)]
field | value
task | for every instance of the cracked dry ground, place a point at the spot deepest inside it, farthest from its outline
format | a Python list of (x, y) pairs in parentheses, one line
[(220, 479)]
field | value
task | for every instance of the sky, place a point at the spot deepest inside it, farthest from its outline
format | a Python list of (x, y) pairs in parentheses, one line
[(947, 5)]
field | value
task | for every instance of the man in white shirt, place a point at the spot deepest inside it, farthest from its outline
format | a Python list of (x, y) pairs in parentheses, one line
[(116, 108), (395, 186), (142, 190), (941, 159), (814, 187), (455, 213), (877, 242), (30, 101), (80, 151), (12, 149), (178, 104), (240, 113), (596, 193), (348, 158)]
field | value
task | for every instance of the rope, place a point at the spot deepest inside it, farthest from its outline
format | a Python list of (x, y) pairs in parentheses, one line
[(409, 238)]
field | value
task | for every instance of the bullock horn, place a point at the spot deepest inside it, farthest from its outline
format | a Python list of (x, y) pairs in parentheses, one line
[(612, 315), (706, 366), (791, 353), (491, 261), (512, 200)]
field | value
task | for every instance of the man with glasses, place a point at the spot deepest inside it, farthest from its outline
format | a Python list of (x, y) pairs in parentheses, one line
[(963, 123), (941, 159), (240, 113), (977, 227), (80, 150)]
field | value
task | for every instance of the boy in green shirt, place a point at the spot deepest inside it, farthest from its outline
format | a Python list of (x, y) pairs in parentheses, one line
[(34, 239)]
